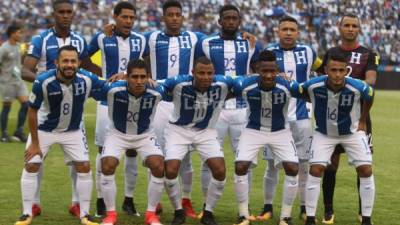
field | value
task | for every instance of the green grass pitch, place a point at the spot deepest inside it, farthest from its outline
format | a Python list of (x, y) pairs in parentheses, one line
[(56, 188)]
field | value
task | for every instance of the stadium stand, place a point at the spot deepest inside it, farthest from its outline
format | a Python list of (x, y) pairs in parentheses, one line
[(380, 20)]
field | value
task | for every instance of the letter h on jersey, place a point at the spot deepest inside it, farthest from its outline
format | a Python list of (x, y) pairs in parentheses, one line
[(241, 46), (355, 57), (279, 98), (185, 41), (301, 57), (79, 88), (135, 45), (346, 100), (147, 103)]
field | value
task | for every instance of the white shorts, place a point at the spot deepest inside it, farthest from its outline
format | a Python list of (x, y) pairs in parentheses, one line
[(232, 122), (116, 144), (73, 143), (102, 124), (302, 134), (355, 145), (179, 139), (280, 143), (161, 118), (10, 91)]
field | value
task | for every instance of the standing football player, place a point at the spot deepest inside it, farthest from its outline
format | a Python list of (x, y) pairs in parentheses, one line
[(172, 52), (42, 53), (11, 85), (232, 55), (117, 50), (296, 61)]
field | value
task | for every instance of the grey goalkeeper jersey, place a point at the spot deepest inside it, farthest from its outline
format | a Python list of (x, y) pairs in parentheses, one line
[(10, 62)]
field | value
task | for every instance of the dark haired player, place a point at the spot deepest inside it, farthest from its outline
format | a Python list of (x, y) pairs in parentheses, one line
[(364, 63)]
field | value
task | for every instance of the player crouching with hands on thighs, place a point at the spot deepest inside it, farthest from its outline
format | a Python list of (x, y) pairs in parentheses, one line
[(131, 108)]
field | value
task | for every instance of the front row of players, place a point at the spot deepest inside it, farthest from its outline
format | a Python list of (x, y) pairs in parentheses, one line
[(55, 117)]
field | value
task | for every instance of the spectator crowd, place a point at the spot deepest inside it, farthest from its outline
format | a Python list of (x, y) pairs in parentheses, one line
[(380, 20)]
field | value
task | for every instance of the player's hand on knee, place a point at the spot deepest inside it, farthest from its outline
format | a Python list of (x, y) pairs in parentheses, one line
[(31, 151)]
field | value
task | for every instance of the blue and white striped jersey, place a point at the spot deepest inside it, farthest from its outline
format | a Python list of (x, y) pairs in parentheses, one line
[(172, 55), (193, 108), (116, 51), (60, 107), (230, 57), (267, 109), (44, 47), (336, 113), (297, 64), (129, 114)]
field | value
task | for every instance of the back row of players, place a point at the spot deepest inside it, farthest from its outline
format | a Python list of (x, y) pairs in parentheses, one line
[(195, 109)]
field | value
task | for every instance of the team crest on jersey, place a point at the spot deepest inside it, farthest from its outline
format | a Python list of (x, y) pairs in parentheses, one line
[(32, 97), (185, 42), (347, 100), (279, 98), (135, 45), (147, 103), (241, 47), (300, 57), (79, 88), (355, 58)]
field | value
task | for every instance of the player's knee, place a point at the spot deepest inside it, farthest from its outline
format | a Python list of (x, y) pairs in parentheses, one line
[(32, 167), (82, 167), (291, 169), (156, 166), (108, 165), (317, 170), (131, 153), (219, 172), (364, 171), (241, 168), (172, 169)]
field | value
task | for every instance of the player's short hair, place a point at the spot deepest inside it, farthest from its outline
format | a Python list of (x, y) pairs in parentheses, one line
[(226, 8), (123, 5), (137, 64), (288, 19), (351, 15), (171, 3), (12, 29), (203, 60), (67, 48), (337, 57), (58, 2), (266, 56)]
